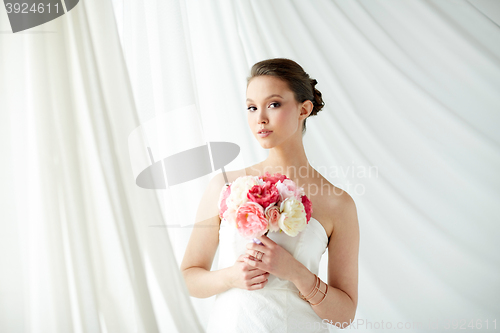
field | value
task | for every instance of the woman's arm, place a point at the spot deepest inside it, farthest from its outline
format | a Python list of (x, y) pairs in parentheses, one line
[(197, 262), (202, 245), (342, 299)]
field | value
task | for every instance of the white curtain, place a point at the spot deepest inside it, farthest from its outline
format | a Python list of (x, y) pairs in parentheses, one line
[(78, 252), (410, 130)]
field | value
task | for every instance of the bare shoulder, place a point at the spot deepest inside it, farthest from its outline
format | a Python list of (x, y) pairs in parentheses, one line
[(341, 204), (342, 209), (209, 205), (208, 209), (331, 204), (230, 176)]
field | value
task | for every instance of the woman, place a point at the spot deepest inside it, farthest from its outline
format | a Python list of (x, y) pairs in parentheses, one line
[(273, 287)]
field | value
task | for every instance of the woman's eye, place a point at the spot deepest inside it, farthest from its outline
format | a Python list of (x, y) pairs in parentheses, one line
[(276, 105)]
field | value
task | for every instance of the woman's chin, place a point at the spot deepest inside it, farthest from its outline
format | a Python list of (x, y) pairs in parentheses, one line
[(266, 145)]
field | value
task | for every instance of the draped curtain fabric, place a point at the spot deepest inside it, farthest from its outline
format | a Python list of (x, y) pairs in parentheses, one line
[(410, 130), (78, 252)]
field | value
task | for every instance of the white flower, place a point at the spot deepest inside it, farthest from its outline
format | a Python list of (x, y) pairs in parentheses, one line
[(293, 217), (239, 190)]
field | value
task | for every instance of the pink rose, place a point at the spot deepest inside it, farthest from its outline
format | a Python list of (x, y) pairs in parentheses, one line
[(265, 195), (272, 213), (222, 200), (250, 220), (288, 189), (273, 179), (308, 207)]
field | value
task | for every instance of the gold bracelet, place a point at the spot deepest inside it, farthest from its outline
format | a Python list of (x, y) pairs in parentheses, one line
[(313, 291), (324, 295), (314, 288)]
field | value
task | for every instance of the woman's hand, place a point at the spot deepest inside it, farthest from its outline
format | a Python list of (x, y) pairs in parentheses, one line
[(244, 276), (276, 260)]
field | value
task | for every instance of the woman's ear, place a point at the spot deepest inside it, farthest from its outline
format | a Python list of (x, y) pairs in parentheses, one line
[(306, 109)]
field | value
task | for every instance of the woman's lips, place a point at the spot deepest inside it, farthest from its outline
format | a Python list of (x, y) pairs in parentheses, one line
[(263, 134)]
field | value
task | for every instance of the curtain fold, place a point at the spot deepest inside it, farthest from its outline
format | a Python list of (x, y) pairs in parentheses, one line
[(84, 255)]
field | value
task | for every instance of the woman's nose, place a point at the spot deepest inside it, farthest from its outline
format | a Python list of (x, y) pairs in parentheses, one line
[(262, 118)]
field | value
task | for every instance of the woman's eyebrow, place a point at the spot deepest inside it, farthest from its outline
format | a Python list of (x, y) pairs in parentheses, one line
[(273, 95)]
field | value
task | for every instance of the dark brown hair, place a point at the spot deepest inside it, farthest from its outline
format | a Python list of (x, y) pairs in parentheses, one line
[(298, 81)]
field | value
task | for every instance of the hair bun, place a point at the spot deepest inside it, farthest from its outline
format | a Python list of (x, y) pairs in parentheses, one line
[(317, 99)]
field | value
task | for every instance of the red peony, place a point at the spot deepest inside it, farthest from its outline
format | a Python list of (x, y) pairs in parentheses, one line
[(265, 195), (308, 207), (273, 179)]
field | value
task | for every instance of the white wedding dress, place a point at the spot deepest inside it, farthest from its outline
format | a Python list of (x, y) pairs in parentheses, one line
[(277, 307)]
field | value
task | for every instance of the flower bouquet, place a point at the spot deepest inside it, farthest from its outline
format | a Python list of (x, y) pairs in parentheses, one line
[(259, 204)]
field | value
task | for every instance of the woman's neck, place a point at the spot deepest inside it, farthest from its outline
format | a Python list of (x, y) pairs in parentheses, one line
[(290, 161)]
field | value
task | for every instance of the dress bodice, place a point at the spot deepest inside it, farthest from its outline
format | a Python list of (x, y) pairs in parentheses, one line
[(277, 307)]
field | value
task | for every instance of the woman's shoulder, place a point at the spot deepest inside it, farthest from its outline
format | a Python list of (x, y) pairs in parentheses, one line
[(219, 181), (229, 176), (334, 196), (329, 201), (328, 192)]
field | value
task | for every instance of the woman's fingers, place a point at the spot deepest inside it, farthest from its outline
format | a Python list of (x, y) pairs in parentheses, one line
[(259, 278), (260, 275), (248, 277), (256, 271), (261, 282), (252, 253)]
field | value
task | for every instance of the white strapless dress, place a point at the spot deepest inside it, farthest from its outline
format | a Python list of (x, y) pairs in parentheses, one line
[(277, 307)]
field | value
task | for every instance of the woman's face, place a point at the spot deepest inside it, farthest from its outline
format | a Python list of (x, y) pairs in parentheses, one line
[(272, 105)]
